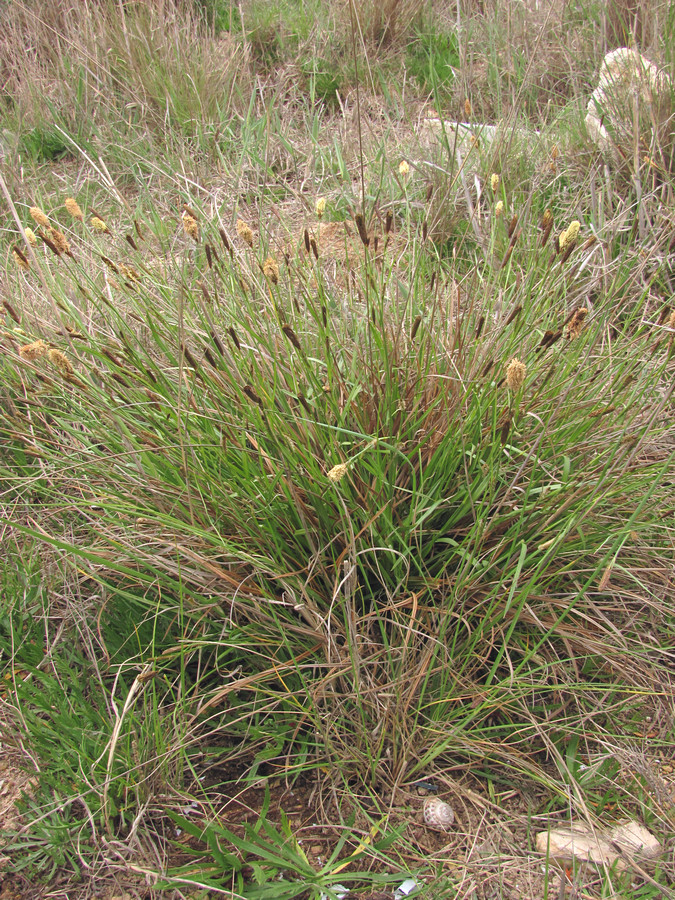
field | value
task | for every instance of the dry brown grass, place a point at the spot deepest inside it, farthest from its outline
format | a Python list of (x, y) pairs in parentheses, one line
[(155, 61)]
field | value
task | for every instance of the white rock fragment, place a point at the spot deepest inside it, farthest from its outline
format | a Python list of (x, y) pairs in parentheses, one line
[(629, 83), (636, 839), (600, 847)]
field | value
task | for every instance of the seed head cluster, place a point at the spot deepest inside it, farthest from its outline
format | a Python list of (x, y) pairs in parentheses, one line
[(58, 239), (74, 209), (61, 362), (39, 217), (244, 232), (515, 374), (33, 351), (576, 323), (99, 225), (569, 236), (320, 207), (190, 225), (271, 269), (337, 473)]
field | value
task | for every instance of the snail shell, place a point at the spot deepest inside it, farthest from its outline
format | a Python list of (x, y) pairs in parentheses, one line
[(438, 814)]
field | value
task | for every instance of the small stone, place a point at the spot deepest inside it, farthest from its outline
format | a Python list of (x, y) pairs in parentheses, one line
[(438, 814)]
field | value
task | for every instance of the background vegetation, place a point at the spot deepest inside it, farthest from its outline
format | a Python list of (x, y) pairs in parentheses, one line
[(332, 465)]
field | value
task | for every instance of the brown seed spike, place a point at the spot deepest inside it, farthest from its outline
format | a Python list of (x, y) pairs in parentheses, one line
[(315, 249), (233, 335), (516, 311), (425, 230), (307, 243), (130, 240), (292, 336), (209, 261), (55, 250), (21, 258), (415, 327), (224, 239), (361, 228), (388, 222), (512, 224), (479, 327), (13, 313), (251, 394)]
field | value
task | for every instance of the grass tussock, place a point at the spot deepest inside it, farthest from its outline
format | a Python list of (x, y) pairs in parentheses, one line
[(344, 468)]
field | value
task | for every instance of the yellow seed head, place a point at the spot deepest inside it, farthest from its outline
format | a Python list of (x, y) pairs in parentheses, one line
[(190, 226), (576, 323), (547, 219), (73, 208), (244, 232), (30, 236), (320, 207), (61, 362), (494, 182), (58, 239), (271, 269), (129, 273), (671, 320), (39, 217), (467, 108), (403, 169), (515, 374), (99, 225), (337, 473), (570, 234), (20, 259), (33, 351), (499, 208)]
